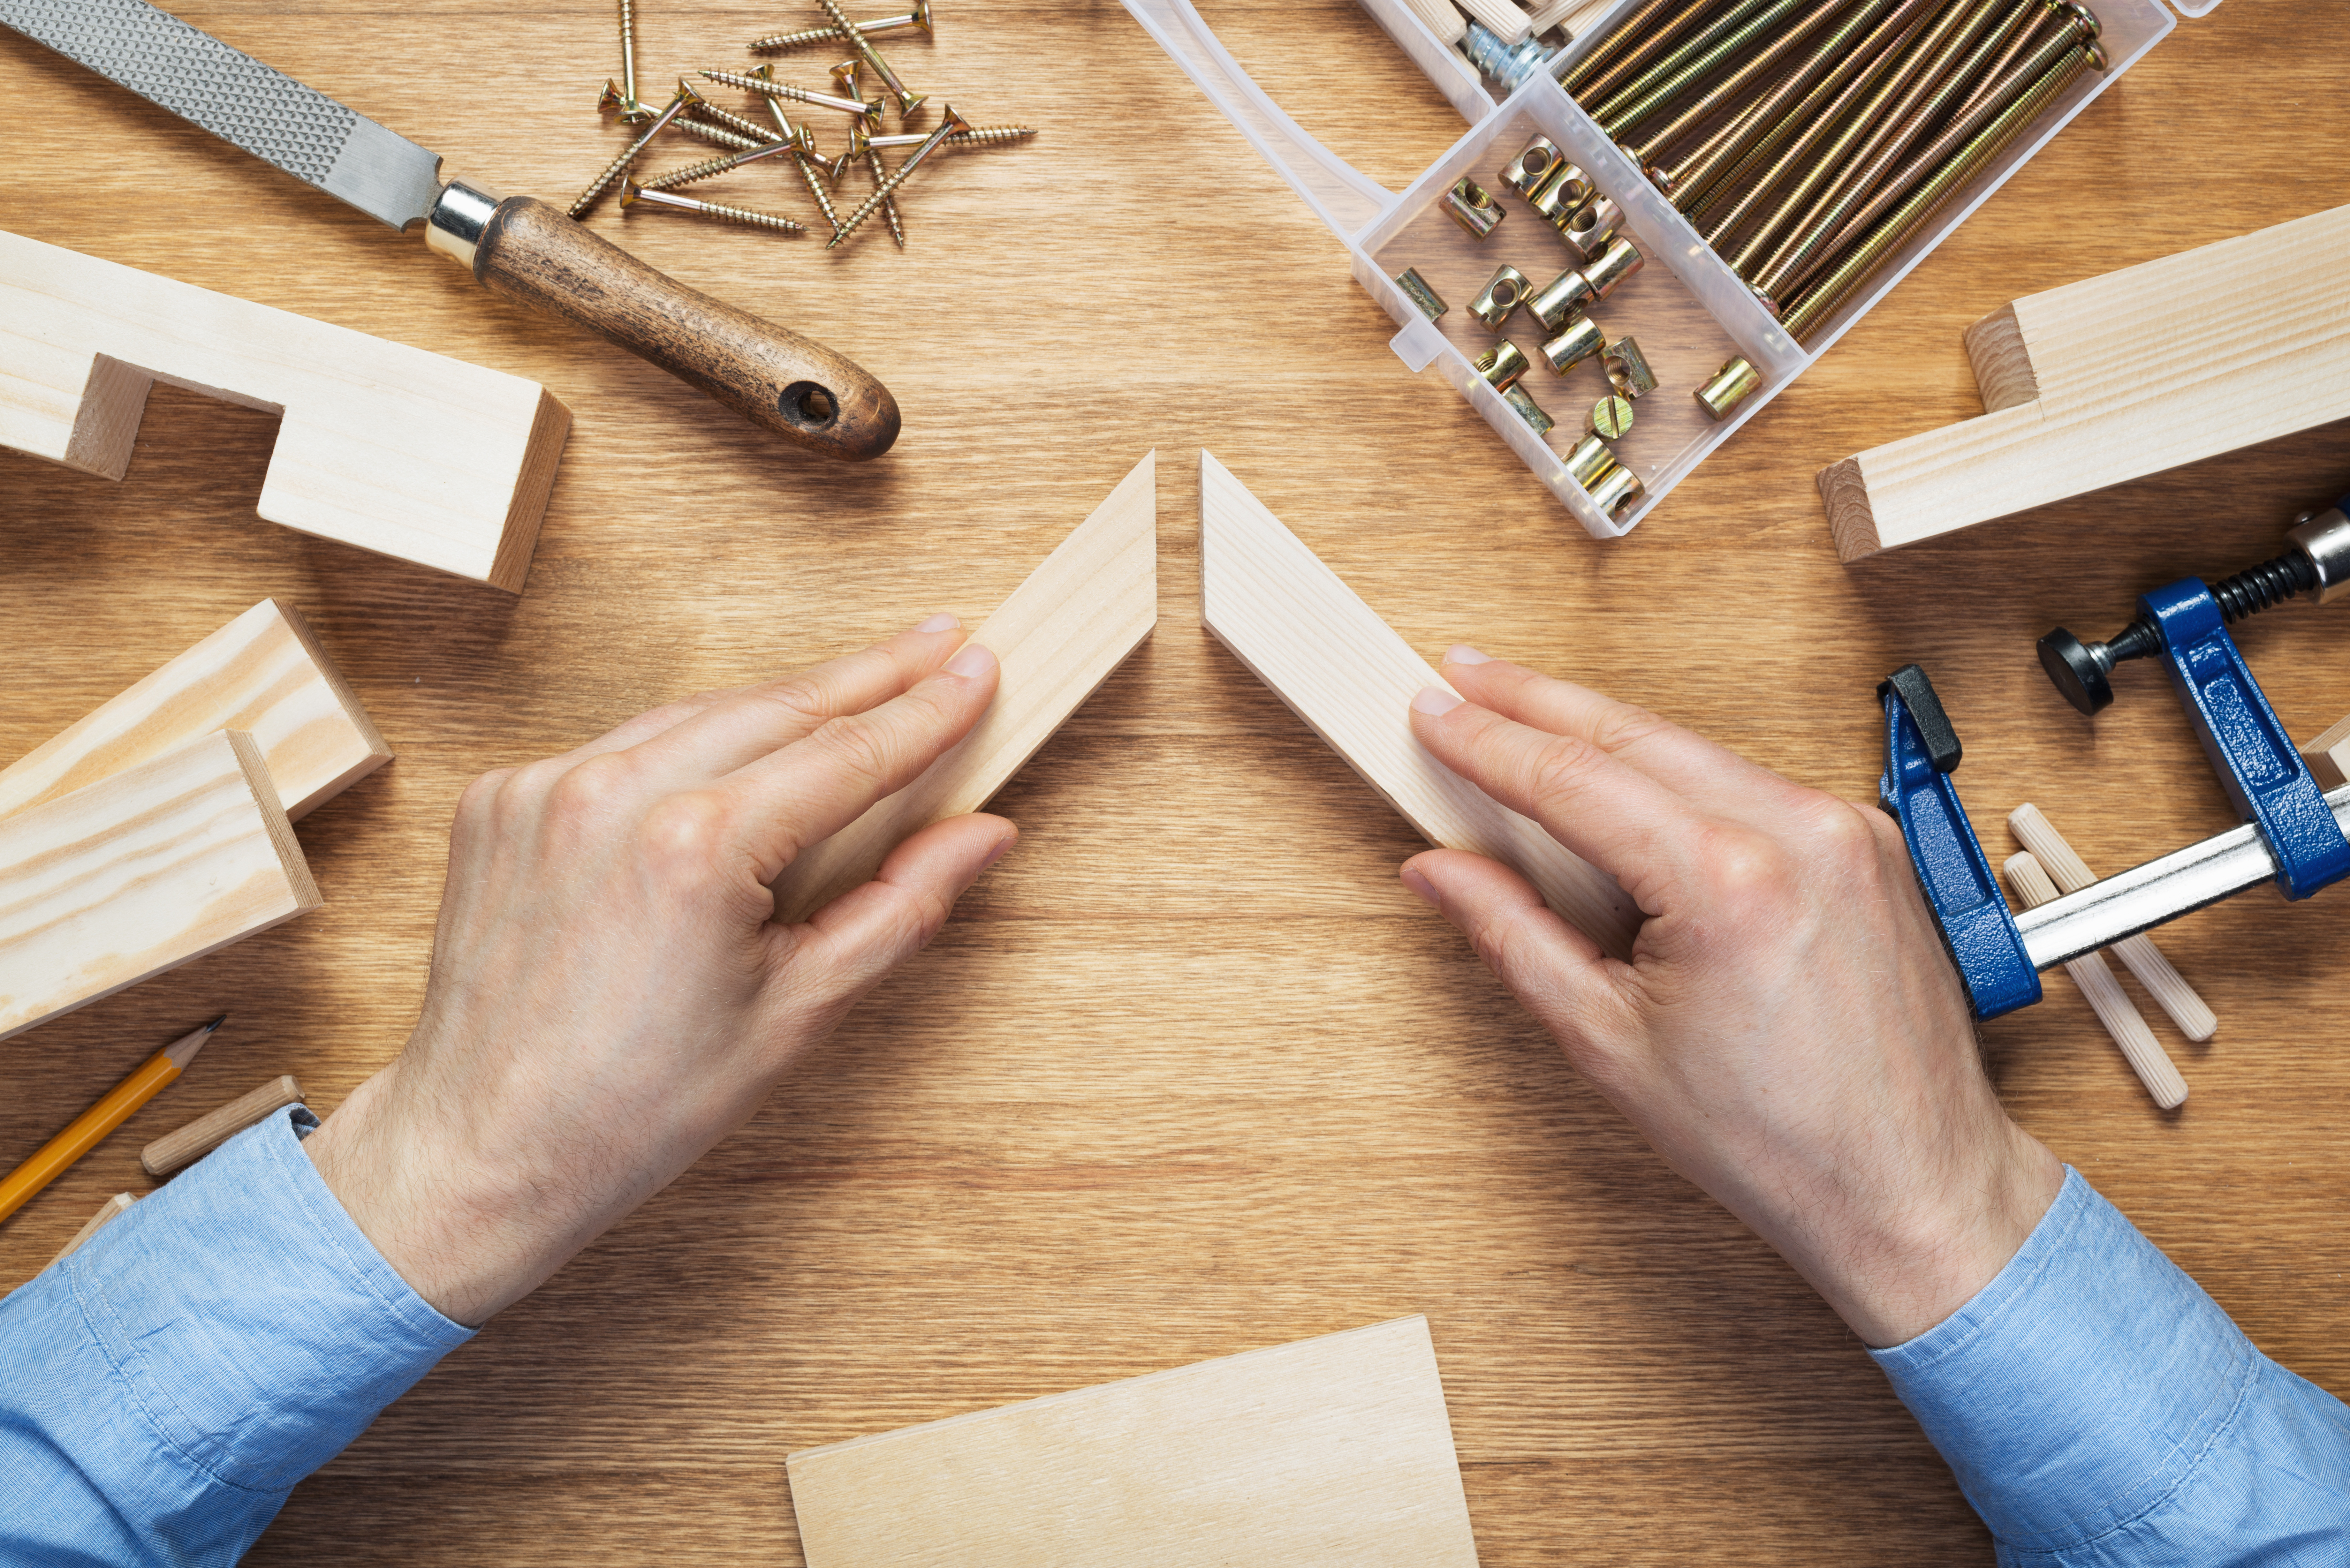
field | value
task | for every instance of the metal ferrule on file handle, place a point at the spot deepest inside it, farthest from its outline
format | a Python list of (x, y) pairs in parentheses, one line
[(2145, 896)]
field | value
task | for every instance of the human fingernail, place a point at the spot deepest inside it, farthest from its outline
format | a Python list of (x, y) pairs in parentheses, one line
[(1419, 884), (971, 659), (1003, 846), (1434, 701), (1462, 653), (941, 622)]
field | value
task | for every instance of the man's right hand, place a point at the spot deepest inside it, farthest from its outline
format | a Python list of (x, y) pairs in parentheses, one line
[(1790, 1033)]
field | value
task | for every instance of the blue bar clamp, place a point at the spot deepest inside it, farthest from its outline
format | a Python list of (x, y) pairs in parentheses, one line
[(2256, 763)]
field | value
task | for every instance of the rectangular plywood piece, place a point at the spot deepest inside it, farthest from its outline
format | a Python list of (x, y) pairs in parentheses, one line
[(140, 873), (1327, 654), (2116, 378), (264, 673), (1334, 1452), (2328, 756), (1058, 637), (393, 449)]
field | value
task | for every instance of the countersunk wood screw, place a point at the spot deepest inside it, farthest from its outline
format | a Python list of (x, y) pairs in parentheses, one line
[(699, 105), (977, 136), (779, 43), (949, 126), (763, 81), (614, 169), (907, 102), (715, 166), (845, 78), (632, 194), (621, 97)]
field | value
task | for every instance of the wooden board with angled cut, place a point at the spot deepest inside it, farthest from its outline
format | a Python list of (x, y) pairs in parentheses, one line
[(393, 449), (1321, 649), (2083, 388), (264, 673), (1333, 1450), (141, 872), (1060, 634)]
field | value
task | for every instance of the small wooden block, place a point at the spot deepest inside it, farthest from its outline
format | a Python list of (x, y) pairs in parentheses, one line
[(1058, 637), (264, 673), (393, 449), (2328, 756), (189, 1144), (1328, 655), (1334, 1451), (141, 872), (2116, 377), (107, 1212)]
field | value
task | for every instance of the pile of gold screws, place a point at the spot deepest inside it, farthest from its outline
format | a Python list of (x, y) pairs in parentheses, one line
[(745, 141)]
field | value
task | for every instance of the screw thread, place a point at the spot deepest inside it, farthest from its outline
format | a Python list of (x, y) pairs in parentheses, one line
[(602, 183), (748, 216), (730, 119), (693, 171), (629, 49), (718, 135), (991, 135), (2261, 587), (889, 204), (772, 88)]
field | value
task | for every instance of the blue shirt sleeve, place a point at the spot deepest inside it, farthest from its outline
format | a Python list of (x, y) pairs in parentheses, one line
[(2100, 1410), (164, 1387)]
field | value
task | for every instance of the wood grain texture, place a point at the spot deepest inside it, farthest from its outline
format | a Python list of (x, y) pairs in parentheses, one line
[(264, 673), (1328, 655), (1189, 1072), (407, 454), (141, 872), (2104, 994), (182, 1147), (810, 395), (2070, 873), (108, 1211), (2328, 755), (1333, 1450), (2087, 386), (1058, 637)]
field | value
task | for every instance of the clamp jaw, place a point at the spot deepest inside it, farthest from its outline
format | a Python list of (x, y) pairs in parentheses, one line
[(1921, 752)]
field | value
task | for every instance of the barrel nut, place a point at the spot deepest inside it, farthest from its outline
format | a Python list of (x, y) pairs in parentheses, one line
[(1503, 292), (1561, 191), (1617, 260), (1617, 488), (1590, 462), (1627, 369), (1500, 365), (1518, 398), (1472, 207), (1611, 419), (1728, 388), (1414, 288), (1577, 341), (1589, 228)]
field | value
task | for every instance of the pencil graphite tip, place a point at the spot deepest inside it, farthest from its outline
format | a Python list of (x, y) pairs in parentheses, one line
[(215, 1023), (183, 1050)]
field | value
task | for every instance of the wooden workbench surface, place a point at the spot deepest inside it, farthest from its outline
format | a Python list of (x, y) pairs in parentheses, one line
[(1191, 1072)]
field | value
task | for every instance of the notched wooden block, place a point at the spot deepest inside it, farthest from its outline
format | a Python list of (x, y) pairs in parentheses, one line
[(393, 449), (264, 673), (2118, 377), (141, 872)]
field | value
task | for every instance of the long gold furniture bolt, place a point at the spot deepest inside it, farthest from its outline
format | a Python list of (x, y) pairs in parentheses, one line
[(1627, 51), (949, 126), (632, 194), (782, 43)]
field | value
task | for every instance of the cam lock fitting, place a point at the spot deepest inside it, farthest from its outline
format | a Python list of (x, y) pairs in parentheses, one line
[(1576, 288), (1472, 207), (1503, 292)]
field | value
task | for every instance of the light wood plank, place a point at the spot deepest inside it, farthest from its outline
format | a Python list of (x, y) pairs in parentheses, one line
[(2106, 998), (1328, 655), (2105, 380), (1334, 1451), (1058, 637), (264, 673), (390, 447), (108, 1211), (184, 1146), (2328, 756), (2070, 874), (141, 872)]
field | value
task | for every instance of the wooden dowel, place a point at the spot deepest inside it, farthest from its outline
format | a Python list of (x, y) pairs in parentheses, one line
[(1440, 18), (96, 1222), (216, 1127), (2070, 874), (2106, 998)]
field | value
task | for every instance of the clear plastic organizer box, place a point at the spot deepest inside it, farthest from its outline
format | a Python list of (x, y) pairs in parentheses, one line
[(1688, 310)]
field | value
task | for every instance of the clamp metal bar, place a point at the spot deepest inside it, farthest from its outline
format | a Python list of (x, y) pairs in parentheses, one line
[(2146, 896)]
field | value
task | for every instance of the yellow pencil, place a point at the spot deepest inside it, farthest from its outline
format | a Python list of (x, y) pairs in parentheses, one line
[(49, 1161)]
